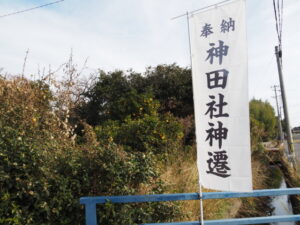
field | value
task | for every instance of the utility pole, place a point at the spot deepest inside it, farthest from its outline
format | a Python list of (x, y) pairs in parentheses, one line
[(291, 151), (278, 115)]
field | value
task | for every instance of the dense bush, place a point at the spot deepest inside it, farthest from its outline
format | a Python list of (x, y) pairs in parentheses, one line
[(39, 187), (148, 134), (172, 86), (23, 181), (116, 95), (44, 171), (263, 120), (25, 106)]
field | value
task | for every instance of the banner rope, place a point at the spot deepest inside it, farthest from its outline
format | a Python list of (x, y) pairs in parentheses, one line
[(203, 8)]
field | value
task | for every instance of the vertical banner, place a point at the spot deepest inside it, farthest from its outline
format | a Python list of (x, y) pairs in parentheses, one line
[(220, 85)]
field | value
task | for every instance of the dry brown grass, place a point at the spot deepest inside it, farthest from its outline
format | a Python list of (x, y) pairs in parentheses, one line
[(258, 174), (181, 176)]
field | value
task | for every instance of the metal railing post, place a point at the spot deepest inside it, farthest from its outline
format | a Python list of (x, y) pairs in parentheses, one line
[(90, 214)]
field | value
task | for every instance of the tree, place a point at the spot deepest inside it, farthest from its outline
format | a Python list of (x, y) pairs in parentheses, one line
[(117, 94), (102, 97), (172, 86), (263, 116)]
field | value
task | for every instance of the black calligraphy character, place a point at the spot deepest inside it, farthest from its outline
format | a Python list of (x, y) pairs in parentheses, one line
[(217, 79), (217, 164), (218, 134), (217, 52), (216, 110), (206, 30), (226, 25)]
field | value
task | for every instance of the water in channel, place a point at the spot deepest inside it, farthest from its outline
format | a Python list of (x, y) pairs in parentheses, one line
[(282, 206)]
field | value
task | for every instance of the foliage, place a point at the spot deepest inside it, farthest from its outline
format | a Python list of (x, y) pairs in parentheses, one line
[(22, 181), (104, 98), (148, 134), (19, 99), (44, 172), (39, 187), (256, 132), (113, 98), (27, 106), (172, 86), (116, 95), (263, 120)]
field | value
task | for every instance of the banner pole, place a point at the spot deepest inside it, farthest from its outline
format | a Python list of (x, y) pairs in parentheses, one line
[(200, 186)]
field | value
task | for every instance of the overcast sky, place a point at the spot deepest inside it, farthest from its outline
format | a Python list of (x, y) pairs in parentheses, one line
[(124, 34)]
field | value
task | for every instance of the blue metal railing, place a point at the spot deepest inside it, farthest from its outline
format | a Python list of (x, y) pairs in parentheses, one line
[(91, 202)]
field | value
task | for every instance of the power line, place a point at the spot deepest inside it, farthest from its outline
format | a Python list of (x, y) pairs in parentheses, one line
[(276, 19), (26, 10), (278, 12), (281, 20)]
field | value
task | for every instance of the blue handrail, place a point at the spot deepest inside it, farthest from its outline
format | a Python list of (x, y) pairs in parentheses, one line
[(91, 202)]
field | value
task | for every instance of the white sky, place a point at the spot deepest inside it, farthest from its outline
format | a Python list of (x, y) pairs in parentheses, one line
[(123, 34)]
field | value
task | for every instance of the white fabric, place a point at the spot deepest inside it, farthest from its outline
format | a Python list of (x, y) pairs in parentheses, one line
[(237, 143)]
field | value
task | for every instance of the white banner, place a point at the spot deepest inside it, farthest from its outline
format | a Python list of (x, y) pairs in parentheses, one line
[(220, 85)]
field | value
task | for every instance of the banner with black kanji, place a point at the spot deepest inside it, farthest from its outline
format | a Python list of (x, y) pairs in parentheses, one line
[(220, 85)]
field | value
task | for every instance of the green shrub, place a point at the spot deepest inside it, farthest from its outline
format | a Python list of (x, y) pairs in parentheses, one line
[(150, 133), (263, 120), (44, 172), (23, 182), (41, 187)]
